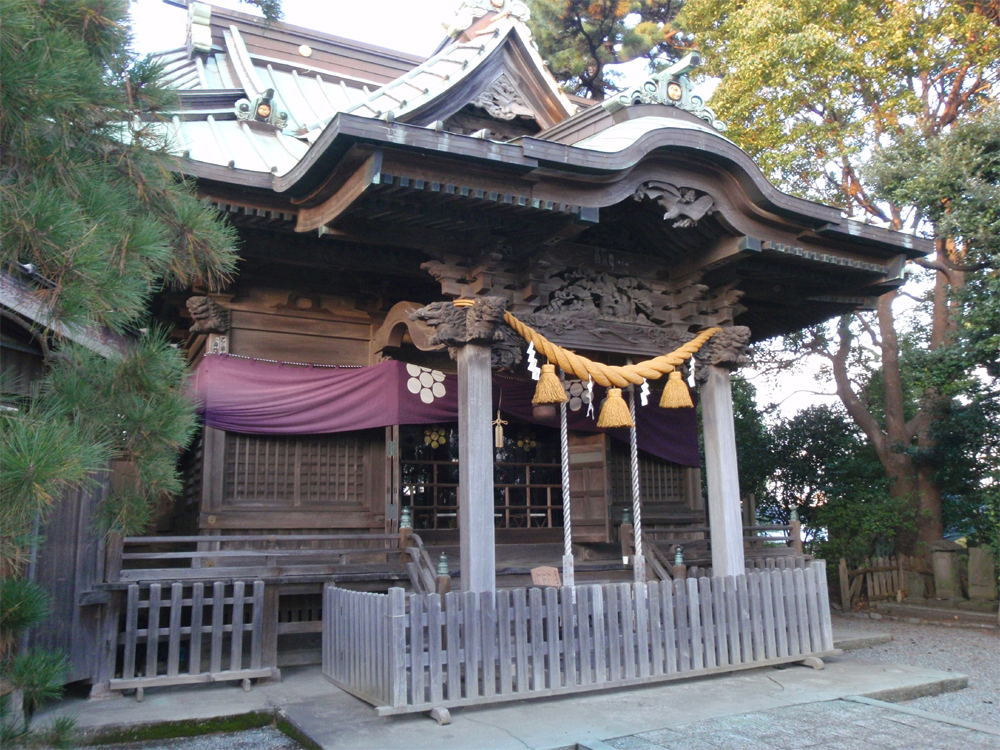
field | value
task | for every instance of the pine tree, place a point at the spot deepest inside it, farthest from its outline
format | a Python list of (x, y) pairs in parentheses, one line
[(580, 38), (93, 221)]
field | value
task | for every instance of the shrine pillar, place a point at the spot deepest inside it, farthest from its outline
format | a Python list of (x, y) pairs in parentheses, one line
[(469, 328), (714, 364)]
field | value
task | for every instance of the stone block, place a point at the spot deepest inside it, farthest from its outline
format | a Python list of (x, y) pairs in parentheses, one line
[(947, 581), (914, 585), (982, 574)]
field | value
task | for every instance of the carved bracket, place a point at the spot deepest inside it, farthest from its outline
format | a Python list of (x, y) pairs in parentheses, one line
[(455, 327), (687, 205), (725, 349), (209, 316)]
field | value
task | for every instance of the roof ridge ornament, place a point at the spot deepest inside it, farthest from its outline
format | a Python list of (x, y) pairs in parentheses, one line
[(261, 110), (471, 11), (671, 86), (199, 29)]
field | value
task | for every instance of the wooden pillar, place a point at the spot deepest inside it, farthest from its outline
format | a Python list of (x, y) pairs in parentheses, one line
[(469, 329), (722, 476), (475, 468)]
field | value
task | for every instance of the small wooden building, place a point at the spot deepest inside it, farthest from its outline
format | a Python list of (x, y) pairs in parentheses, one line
[(367, 183)]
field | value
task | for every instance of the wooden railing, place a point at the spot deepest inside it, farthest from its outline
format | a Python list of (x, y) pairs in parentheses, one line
[(425, 651), (249, 556), (697, 550)]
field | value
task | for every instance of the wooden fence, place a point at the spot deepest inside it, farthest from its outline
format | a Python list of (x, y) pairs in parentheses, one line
[(881, 578), (413, 654), (187, 633)]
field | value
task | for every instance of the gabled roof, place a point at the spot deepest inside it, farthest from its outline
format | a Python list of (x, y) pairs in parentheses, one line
[(454, 77), (231, 56)]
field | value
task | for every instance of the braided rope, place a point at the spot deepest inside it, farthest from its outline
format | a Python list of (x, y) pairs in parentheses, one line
[(639, 563), (568, 572), (609, 375)]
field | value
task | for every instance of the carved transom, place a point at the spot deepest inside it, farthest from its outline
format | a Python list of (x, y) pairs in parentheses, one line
[(588, 298)]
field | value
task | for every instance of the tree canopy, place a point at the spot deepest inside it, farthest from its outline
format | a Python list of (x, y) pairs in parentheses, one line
[(817, 91), (580, 38)]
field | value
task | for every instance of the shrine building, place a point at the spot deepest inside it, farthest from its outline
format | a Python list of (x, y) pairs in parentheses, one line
[(365, 437)]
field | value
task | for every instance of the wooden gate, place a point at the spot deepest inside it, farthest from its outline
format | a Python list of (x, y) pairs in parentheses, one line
[(414, 654), (191, 632)]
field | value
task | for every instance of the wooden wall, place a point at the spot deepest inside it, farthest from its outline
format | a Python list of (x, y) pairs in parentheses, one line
[(70, 561), (293, 327), (293, 482)]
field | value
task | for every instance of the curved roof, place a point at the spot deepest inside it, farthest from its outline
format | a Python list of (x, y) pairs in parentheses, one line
[(622, 135)]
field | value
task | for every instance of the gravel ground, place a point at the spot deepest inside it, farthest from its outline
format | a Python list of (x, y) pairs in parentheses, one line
[(265, 738), (971, 651)]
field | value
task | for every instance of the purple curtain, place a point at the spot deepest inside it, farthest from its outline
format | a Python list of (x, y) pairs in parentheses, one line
[(244, 395)]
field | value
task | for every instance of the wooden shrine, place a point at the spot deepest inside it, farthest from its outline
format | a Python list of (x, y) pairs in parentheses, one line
[(366, 185)]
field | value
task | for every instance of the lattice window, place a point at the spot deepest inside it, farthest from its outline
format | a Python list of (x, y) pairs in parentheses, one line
[(527, 484), (295, 470), (660, 481)]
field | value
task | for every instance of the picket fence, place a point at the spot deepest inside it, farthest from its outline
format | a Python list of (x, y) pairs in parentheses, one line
[(189, 633), (415, 653)]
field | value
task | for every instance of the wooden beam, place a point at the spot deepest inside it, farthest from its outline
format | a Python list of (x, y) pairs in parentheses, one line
[(365, 176), (725, 251)]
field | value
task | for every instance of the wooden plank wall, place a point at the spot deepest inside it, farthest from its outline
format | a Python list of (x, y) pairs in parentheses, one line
[(70, 561), (468, 649), (589, 485), (295, 327)]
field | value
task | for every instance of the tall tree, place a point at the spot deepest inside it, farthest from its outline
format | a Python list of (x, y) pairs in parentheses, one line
[(92, 224), (813, 90), (580, 38)]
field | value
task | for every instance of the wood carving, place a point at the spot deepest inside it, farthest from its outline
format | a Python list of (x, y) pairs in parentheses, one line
[(685, 205), (726, 349), (209, 316), (455, 327), (502, 101), (507, 352), (590, 298)]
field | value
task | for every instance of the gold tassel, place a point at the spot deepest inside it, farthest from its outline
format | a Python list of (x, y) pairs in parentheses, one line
[(549, 389), (675, 393), (615, 412)]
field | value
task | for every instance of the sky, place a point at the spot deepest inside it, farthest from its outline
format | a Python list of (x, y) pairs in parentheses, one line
[(417, 27)]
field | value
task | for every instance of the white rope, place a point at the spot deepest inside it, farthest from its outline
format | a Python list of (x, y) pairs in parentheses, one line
[(639, 563), (568, 572)]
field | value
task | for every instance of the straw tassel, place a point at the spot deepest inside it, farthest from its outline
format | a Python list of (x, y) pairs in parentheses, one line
[(614, 413), (549, 389), (675, 393)]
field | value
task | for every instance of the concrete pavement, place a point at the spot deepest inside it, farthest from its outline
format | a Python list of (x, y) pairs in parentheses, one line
[(339, 721)]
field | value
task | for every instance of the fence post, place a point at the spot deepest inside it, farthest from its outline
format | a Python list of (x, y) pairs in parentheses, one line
[(796, 534), (845, 586), (396, 632), (269, 631)]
